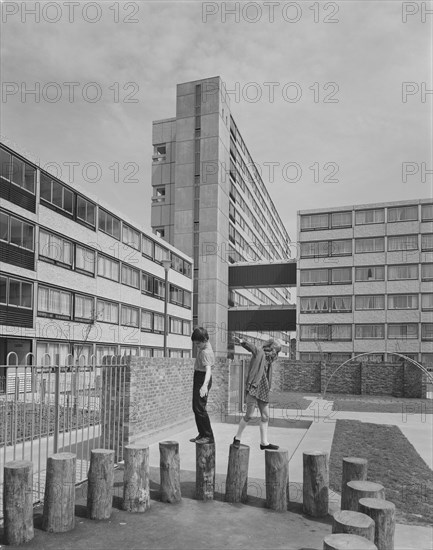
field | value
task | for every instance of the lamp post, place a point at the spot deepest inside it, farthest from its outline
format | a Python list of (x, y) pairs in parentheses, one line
[(167, 264)]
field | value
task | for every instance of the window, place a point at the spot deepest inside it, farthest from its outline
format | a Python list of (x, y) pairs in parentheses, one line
[(54, 303), (338, 357), (364, 217), (159, 152), (54, 193), (341, 219), (84, 259), (86, 211), (109, 224), (107, 312), (314, 332), (403, 242), (84, 306), (371, 244), (426, 331), (108, 268), (103, 352), (23, 175), (370, 273), (427, 241), (175, 325), (159, 232), (312, 304), (314, 277), (374, 301), (177, 263), (403, 301), (175, 353), (128, 350), (403, 330), (158, 323), (341, 247), (427, 212), (427, 359), (55, 248), (402, 272), (186, 328), (52, 353), (341, 332), (146, 283), (17, 232), (145, 352), (146, 320), (314, 221), (363, 332), (131, 237), (15, 292), (159, 288), (426, 272), (371, 358), (176, 295), (314, 249), (187, 269), (187, 299), (5, 164), (403, 213), (158, 352), (341, 304), (161, 253), (426, 301), (129, 316), (159, 194), (130, 276), (147, 246), (341, 275)]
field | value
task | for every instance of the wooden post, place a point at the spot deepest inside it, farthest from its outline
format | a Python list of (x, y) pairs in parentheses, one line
[(353, 523), (59, 499), (169, 466), (383, 514), (347, 542), (100, 484), (362, 489), (354, 469), (205, 471), (136, 492), (315, 483), (18, 502), (237, 473), (277, 479)]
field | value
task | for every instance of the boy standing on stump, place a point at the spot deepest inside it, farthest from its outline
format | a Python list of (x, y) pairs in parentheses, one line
[(202, 384), (258, 384)]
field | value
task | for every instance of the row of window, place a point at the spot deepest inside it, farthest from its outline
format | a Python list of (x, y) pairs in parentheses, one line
[(58, 196), (366, 331), (340, 357), (364, 217), (63, 304), (343, 275), (343, 247), (343, 304)]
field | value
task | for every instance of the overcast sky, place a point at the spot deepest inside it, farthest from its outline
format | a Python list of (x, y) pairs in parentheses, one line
[(349, 99)]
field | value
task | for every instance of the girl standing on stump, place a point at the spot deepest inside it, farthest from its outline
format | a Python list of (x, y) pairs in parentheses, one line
[(202, 384), (257, 387)]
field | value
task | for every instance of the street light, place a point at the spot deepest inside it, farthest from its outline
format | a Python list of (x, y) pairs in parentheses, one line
[(167, 264)]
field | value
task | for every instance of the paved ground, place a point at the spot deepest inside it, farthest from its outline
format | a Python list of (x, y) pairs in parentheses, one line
[(196, 525)]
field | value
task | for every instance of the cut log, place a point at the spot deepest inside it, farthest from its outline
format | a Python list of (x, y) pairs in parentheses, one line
[(237, 473), (18, 502), (362, 489), (383, 514), (100, 484), (169, 466), (136, 491), (277, 479), (354, 469), (353, 523), (59, 499), (205, 471), (315, 483), (347, 542)]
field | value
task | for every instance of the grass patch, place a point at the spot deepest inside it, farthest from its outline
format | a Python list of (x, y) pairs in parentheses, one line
[(392, 461), (289, 400)]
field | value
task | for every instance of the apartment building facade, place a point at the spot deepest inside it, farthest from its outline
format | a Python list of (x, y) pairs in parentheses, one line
[(78, 281), (365, 282), (209, 201)]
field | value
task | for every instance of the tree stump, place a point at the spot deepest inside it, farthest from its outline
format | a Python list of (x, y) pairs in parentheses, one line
[(205, 471), (354, 469), (347, 542), (169, 466), (383, 514), (362, 489), (237, 473), (353, 523), (59, 499), (18, 502), (136, 492), (315, 483), (277, 479), (100, 484)]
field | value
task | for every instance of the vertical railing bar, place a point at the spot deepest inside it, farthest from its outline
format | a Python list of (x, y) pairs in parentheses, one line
[(124, 401), (34, 388), (82, 419), (109, 407), (113, 440), (15, 416), (69, 409), (119, 399), (41, 400)]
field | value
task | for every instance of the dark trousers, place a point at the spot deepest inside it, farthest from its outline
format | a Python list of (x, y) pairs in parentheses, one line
[(199, 405)]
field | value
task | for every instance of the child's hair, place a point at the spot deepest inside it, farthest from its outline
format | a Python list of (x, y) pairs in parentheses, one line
[(200, 335)]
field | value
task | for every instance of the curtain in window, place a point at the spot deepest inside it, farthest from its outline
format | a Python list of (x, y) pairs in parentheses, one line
[(397, 272), (342, 275), (339, 219), (403, 242), (341, 332)]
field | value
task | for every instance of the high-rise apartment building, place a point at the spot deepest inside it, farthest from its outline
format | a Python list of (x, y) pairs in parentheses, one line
[(365, 282), (78, 280), (210, 202)]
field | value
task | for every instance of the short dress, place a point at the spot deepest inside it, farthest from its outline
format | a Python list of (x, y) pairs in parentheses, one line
[(262, 390)]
